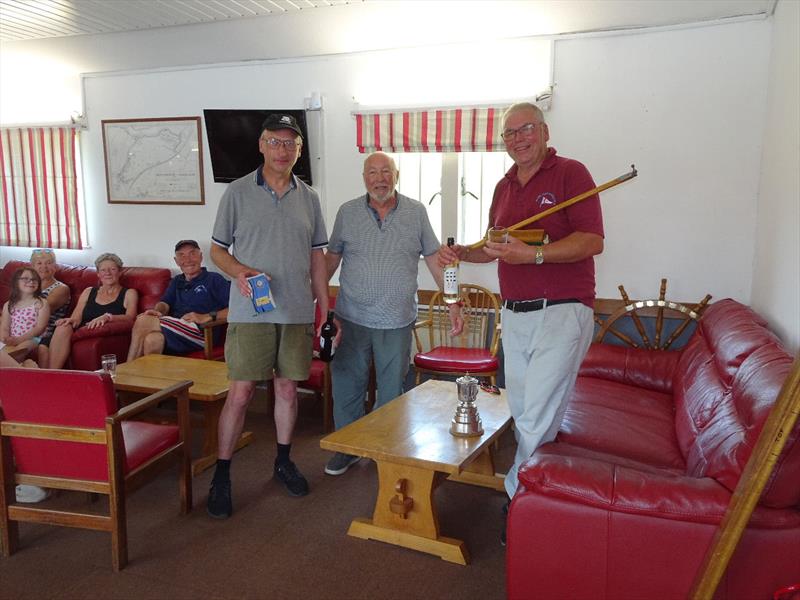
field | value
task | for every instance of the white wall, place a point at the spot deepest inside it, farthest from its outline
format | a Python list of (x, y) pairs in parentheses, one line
[(776, 280), (685, 105)]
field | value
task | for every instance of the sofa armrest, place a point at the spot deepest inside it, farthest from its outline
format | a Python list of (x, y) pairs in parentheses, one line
[(639, 367), (107, 330)]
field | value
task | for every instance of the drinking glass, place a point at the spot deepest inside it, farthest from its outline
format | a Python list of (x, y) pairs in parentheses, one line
[(109, 364), (498, 235)]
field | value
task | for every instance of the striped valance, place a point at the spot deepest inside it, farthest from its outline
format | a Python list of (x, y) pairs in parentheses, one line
[(39, 188), (435, 130)]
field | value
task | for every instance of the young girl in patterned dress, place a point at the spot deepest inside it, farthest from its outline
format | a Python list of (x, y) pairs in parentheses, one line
[(26, 313)]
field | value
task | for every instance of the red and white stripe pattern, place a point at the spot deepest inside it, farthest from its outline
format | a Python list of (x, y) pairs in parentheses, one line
[(185, 329), (39, 188), (442, 130)]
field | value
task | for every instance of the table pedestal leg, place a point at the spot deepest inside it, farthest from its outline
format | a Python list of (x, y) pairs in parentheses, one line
[(208, 456), (481, 471), (405, 514)]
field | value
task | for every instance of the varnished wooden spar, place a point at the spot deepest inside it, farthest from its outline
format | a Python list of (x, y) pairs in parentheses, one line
[(574, 200)]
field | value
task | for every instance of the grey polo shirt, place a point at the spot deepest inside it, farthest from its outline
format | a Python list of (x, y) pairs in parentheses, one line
[(274, 235), (378, 278)]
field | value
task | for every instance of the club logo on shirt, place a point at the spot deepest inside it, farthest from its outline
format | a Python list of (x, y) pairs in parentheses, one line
[(546, 199)]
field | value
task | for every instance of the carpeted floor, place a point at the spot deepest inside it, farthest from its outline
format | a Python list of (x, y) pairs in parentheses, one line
[(274, 546)]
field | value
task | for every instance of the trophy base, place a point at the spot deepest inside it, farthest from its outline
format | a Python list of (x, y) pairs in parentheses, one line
[(466, 429)]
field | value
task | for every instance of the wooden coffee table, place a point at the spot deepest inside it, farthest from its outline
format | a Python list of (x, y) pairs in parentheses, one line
[(154, 372), (409, 438)]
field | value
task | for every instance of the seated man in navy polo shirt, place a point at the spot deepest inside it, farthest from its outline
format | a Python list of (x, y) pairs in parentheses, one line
[(195, 296)]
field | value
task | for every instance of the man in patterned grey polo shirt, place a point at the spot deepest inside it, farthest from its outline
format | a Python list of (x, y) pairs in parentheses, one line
[(378, 239)]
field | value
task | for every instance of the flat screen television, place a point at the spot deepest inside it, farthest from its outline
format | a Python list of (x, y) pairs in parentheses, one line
[(233, 142)]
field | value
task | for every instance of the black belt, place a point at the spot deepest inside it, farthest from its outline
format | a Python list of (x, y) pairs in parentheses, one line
[(523, 306)]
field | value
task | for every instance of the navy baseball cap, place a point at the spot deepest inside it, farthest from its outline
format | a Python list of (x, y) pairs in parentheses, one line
[(183, 243), (277, 121)]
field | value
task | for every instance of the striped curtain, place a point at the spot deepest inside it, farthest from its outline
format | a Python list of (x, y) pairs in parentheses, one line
[(443, 130), (39, 201)]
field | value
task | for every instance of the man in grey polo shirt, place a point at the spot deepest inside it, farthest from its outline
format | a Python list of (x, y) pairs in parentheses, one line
[(269, 222), (378, 239)]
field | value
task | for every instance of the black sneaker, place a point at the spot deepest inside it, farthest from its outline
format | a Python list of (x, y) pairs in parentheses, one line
[(293, 479), (220, 505)]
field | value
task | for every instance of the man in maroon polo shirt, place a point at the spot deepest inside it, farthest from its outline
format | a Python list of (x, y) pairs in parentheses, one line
[(548, 291)]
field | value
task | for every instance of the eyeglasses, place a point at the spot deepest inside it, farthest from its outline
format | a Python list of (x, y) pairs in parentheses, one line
[(524, 131), (42, 251), (27, 279), (275, 143)]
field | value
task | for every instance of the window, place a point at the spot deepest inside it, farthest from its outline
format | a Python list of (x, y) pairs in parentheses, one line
[(450, 159), (455, 187), (40, 198)]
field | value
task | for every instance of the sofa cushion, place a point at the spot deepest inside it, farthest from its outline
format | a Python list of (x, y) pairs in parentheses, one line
[(648, 369), (622, 420), (563, 471)]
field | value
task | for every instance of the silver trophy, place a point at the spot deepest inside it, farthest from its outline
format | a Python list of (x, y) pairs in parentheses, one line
[(467, 421)]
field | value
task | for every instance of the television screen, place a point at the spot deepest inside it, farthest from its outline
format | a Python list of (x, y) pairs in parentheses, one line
[(233, 142)]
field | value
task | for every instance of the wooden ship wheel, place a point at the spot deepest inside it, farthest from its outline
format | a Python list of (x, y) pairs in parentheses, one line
[(635, 310)]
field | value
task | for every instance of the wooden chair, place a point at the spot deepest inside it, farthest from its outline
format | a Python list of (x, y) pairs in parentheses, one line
[(475, 350), (319, 378), (62, 430), (212, 351)]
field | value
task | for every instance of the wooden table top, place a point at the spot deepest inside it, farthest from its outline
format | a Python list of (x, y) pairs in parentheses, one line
[(414, 429), (154, 372)]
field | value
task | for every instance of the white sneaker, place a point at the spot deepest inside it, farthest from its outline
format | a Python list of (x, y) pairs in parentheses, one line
[(31, 494)]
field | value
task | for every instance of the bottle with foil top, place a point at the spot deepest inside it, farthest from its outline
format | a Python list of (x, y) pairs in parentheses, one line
[(450, 279)]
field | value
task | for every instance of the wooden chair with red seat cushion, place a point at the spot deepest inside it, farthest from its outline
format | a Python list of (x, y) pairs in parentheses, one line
[(475, 350), (61, 429), (211, 350), (319, 377)]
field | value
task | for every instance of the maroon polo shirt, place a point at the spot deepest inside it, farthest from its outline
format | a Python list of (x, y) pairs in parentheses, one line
[(557, 180)]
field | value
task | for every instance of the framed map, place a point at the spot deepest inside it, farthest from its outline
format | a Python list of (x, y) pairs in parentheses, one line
[(153, 161)]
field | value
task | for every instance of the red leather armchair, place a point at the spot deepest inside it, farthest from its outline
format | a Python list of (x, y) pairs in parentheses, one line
[(89, 345), (625, 502)]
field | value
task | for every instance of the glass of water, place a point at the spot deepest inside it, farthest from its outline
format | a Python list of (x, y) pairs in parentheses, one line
[(109, 364)]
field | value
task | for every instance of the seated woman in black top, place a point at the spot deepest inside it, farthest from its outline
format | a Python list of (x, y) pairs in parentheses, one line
[(97, 306)]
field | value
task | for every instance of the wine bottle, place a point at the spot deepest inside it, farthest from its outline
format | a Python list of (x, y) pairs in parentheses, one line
[(450, 277), (327, 334)]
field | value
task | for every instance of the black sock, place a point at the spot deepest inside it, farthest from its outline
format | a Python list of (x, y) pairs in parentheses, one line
[(283, 454), (223, 472)]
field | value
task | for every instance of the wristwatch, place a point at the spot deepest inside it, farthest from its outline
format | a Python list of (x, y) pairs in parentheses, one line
[(213, 315), (539, 258)]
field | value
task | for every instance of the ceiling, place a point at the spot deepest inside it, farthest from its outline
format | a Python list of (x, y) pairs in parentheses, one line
[(38, 19)]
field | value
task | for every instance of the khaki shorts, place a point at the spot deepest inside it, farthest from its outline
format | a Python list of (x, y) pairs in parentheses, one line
[(257, 351)]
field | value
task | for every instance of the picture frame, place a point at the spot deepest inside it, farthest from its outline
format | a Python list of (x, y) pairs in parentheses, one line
[(153, 160)]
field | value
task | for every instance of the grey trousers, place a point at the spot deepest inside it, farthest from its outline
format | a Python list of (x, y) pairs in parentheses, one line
[(389, 348)]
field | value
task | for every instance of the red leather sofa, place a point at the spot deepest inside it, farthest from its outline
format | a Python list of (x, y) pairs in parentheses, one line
[(89, 345), (625, 502)]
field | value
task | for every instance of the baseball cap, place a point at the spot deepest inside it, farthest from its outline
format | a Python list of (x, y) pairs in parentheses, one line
[(183, 243), (278, 121)]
